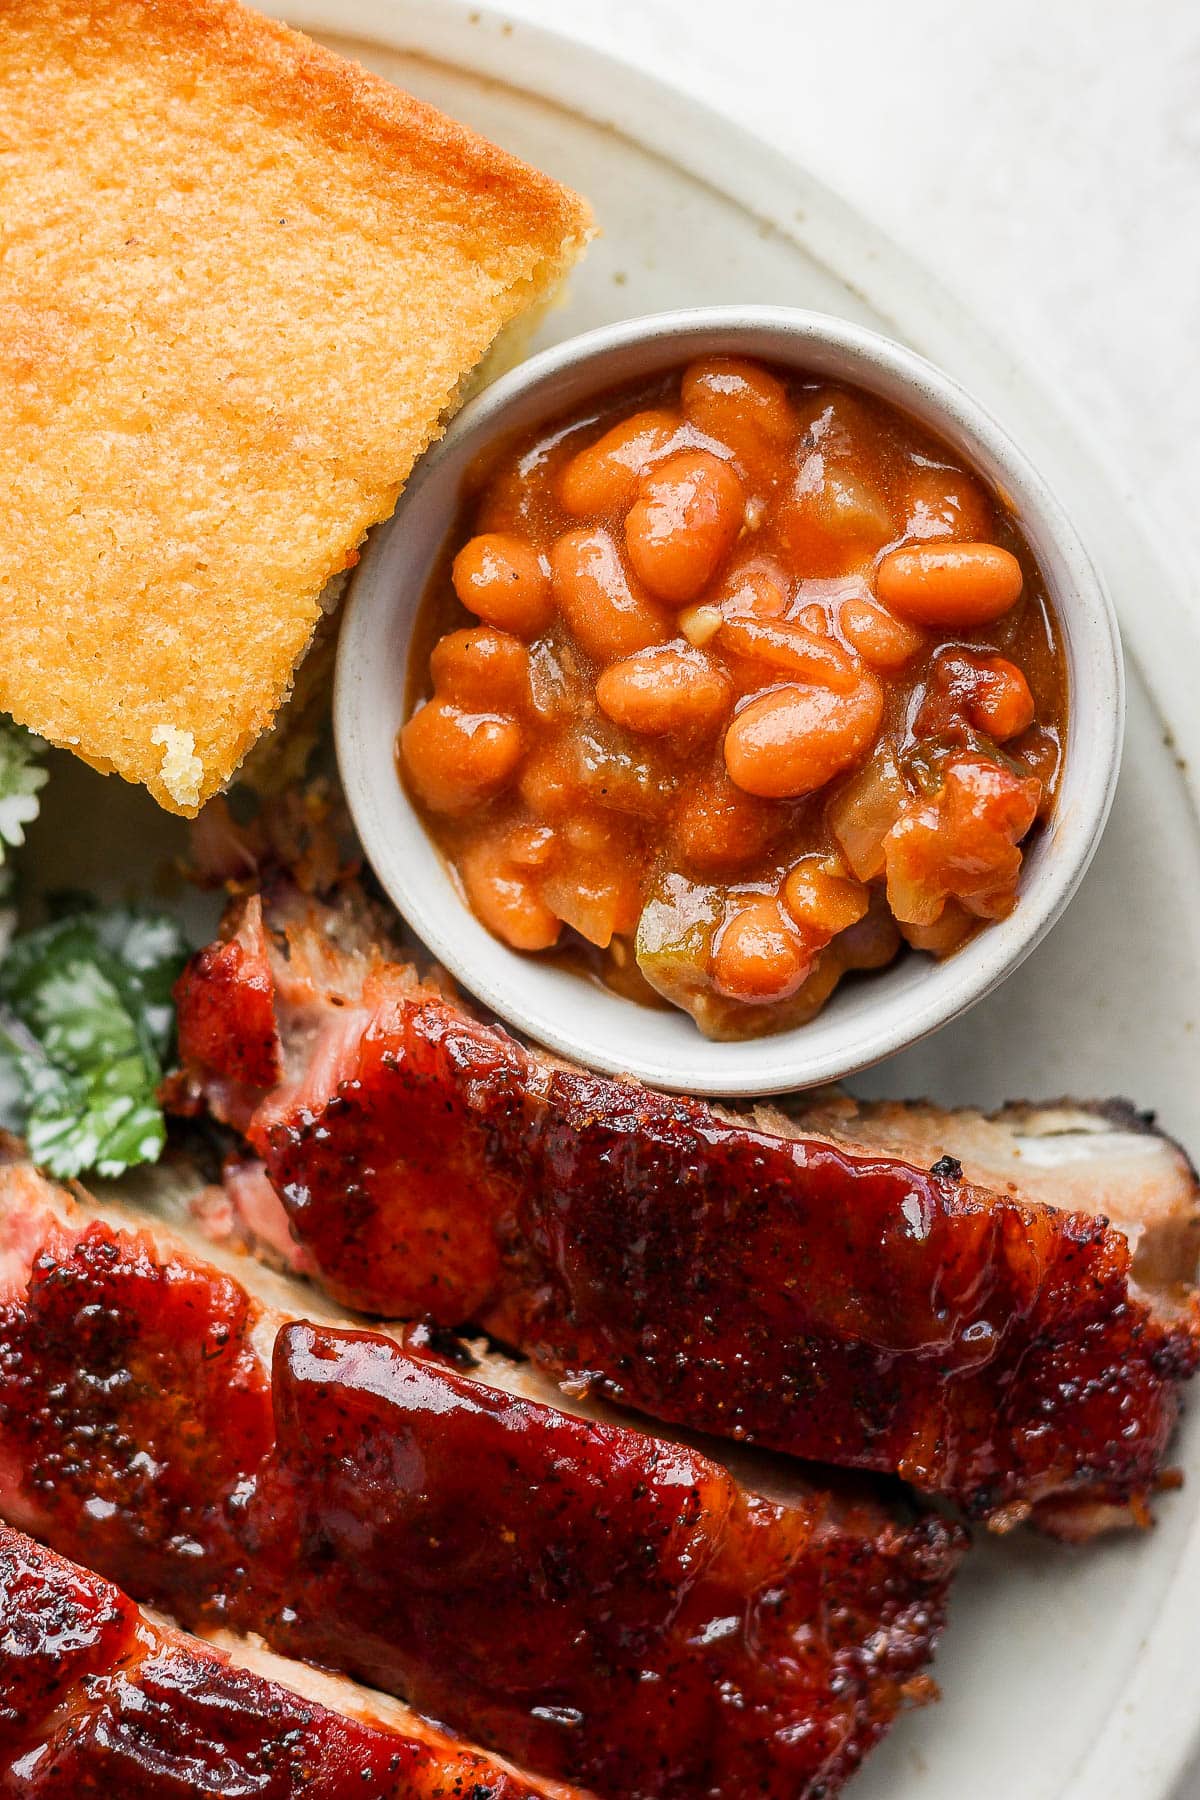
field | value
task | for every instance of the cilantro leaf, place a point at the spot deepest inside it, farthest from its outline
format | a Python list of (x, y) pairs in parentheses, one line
[(21, 779), (87, 1029)]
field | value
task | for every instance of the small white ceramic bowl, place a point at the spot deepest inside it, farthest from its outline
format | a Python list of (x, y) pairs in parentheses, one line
[(867, 1018)]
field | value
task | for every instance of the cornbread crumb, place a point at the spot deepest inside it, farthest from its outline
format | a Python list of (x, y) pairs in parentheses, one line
[(181, 771), (244, 282)]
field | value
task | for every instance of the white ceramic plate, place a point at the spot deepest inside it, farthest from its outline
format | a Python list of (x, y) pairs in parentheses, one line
[(1066, 1675)]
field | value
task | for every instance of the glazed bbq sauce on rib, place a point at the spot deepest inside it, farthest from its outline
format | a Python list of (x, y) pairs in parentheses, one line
[(96, 1698), (845, 1307), (602, 1606), (663, 1631)]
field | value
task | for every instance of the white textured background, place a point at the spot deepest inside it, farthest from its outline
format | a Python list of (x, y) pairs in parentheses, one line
[(1041, 157)]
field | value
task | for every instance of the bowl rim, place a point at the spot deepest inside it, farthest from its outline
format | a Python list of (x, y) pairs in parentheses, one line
[(891, 1014)]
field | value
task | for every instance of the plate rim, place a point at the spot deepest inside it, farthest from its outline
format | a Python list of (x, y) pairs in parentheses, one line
[(707, 145)]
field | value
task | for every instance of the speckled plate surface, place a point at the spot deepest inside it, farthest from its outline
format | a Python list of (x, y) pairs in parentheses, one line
[(1066, 1675)]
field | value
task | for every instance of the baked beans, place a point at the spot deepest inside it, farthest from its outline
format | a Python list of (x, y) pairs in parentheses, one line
[(732, 685)]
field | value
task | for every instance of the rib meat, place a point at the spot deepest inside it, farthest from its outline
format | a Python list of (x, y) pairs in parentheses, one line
[(830, 1283), (608, 1608), (97, 1697)]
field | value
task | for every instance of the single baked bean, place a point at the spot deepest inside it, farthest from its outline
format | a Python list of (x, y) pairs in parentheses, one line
[(822, 902), (813, 617), (741, 405), (604, 613), (481, 668), (688, 512), (530, 846), (717, 828), (948, 933), (881, 640), (602, 480), (454, 758), (872, 943), (955, 585), (841, 425), (793, 740), (1000, 702), (759, 955), (793, 648), (506, 900), (548, 782), (946, 503), (665, 689), (504, 580), (956, 694), (757, 588)]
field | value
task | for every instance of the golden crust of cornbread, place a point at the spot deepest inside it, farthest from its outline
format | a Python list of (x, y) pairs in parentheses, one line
[(243, 281)]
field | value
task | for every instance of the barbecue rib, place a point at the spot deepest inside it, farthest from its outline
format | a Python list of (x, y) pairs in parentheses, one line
[(608, 1608), (798, 1281), (95, 1697)]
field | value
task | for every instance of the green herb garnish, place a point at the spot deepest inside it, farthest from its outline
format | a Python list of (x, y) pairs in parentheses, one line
[(85, 1029), (22, 778)]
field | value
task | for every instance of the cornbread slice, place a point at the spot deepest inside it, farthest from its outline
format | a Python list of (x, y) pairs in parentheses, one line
[(242, 282)]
